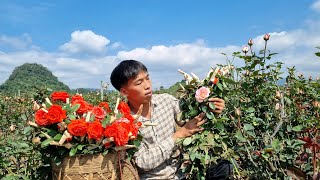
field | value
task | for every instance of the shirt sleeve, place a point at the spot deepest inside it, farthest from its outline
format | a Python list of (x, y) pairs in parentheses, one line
[(150, 157)]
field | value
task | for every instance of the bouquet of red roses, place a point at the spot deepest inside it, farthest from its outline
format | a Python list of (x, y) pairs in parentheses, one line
[(68, 125)]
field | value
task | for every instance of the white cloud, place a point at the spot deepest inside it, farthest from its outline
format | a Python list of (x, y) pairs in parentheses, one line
[(316, 6), (21, 42), (85, 42), (295, 47), (117, 45)]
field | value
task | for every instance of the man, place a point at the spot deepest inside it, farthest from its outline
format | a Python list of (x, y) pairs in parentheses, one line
[(155, 158)]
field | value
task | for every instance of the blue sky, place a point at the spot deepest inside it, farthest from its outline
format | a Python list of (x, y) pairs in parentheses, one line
[(81, 41)]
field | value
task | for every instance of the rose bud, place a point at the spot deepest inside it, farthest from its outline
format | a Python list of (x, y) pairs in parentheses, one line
[(12, 127), (277, 107), (266, 37), (250, 42), (278, 94), (245, 49), (214, 81), (238, 112), (36, 140), (36, 106), (316, 104)]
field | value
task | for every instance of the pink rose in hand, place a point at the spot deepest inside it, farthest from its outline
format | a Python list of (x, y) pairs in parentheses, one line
[(202, 93)]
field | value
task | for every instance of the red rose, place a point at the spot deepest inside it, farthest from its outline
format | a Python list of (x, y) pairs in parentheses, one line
[(84, 106), (139, 124), (118, 132), (95, 130), (124, 108), (110, 131), (122, 137), (62, 96), (129, 117), (41, 118), (78, 127), (106, 107), (76, 97), (98, 112), (56, 114)]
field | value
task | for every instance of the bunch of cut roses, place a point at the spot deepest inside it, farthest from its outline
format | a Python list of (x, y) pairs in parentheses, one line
[(68, 125)]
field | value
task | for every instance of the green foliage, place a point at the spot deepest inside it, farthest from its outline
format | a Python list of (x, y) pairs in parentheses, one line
[(29, 78), (272, 131), (19, 158)]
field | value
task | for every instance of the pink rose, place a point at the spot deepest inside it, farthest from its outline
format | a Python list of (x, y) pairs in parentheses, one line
[(266, 37), (202, 93), (250, 42), (245, 49)]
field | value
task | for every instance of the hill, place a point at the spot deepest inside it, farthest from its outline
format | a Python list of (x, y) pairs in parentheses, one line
[(28, 78), (172, 89)]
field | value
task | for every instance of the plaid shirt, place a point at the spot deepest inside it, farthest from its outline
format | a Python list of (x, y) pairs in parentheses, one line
[(156, 158)]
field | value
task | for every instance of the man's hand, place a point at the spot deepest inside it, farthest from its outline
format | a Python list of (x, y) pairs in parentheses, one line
[(218, 103), (191, 127)]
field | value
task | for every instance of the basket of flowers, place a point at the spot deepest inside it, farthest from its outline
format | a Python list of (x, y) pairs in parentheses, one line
[(86, 141)]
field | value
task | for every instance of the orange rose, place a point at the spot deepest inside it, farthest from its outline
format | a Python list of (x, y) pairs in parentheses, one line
[(41, 118), (95, 130), (62, 96), (78, 127), (98, 112), (56, 114)]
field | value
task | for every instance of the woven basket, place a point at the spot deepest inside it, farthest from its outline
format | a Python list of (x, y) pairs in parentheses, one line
[(94, 167)]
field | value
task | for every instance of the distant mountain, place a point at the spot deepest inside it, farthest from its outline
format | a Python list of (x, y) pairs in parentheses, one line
[(172, 89), (28, 78)]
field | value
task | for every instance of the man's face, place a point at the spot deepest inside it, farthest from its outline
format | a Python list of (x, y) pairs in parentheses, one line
[(138, 90)]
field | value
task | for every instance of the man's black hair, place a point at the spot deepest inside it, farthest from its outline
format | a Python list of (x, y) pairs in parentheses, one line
[(125, 71)]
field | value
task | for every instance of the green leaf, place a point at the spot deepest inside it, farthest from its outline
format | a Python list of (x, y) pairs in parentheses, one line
[(46, 142), (80, 146), (210, 115), (289, 128), (73, 151), (71, 116), (219, 126), (297, 128), (220, 86), (239, 136), (105, 121), (57, 137), (193, 113), (212, 106), (204, 109), (275, 144), (317, 54), (250, 110), (248, 127), (187, 141), (74, 108), (27, 130)]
